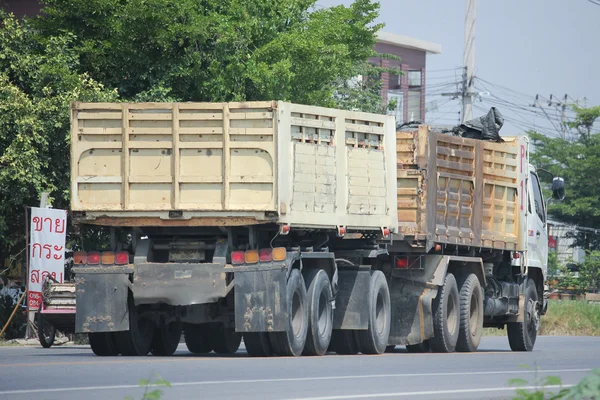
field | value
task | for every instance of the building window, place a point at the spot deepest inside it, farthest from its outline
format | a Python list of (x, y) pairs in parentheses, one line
[(398, 111), (414, 105), (414, 78)]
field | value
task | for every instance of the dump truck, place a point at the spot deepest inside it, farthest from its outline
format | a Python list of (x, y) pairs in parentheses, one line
[(300, 230)]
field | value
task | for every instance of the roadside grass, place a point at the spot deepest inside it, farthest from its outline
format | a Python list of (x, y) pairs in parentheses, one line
[(565, 318)]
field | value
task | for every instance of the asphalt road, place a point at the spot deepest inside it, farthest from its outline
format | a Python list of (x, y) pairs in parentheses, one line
[(76, 373)]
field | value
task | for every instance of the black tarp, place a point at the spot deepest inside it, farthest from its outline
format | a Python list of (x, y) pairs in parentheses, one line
[(483, 128)]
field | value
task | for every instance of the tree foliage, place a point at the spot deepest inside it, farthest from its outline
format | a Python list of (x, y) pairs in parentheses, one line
[(577, 162), (37, 83), (218, 50)]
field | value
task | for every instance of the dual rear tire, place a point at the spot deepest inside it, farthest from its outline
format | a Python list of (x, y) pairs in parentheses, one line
[(458, 315)]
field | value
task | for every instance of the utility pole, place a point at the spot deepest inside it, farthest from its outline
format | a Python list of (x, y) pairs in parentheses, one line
[(469, 62), (562, 107), (468, 79)]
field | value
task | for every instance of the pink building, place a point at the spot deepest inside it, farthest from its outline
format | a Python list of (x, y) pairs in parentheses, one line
[(407, 89)]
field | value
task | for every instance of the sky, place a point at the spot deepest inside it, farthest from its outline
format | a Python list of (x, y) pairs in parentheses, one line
[(522, 48)]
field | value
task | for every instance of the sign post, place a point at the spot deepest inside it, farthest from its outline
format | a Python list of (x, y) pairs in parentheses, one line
[(46, 253)]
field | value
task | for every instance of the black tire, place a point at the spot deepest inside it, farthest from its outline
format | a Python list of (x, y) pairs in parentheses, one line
[(320, 313), (522, 335), (291, 341), (471, 315), (46, 332), (423, 347), (344, 342), (224, 340), (446, 319), (166, 339), (258, 344), (136, 341), (197, 338), (103, 344), (374, 340)]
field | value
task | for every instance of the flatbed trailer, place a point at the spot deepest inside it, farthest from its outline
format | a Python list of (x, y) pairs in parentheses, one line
[(301, 229)]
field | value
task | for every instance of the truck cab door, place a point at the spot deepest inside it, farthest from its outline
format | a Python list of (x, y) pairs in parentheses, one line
[(537, 234)]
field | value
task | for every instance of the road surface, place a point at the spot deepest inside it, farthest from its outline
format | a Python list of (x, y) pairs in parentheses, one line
[(75, 373)]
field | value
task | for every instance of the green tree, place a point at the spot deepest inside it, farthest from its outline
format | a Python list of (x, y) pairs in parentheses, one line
[(589, 272), (37, 83), (221, 50), (577, 162)]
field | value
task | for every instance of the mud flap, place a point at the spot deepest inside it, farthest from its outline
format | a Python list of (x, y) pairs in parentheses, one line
[(351, 308), (260, 300), (411, 304), (179, 284), (101, 299)]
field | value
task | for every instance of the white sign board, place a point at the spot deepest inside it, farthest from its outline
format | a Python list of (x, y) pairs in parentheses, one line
[(46, 250)]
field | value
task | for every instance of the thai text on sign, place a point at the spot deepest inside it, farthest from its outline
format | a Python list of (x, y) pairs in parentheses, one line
[(46, 250)]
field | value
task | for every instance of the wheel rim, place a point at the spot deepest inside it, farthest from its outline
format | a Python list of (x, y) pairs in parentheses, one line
[(379, 314), (297, 314), (533, 318), (452, 315), (323, 314)]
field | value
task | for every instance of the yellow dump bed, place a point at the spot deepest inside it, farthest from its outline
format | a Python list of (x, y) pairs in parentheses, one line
[(454, 190)]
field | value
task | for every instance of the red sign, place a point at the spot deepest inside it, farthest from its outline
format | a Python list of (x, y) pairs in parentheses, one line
[(552, 242)]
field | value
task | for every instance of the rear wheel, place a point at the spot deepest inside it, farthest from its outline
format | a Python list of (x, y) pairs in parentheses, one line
[(471, 315), (522, 335), (291, 341), (103, 344), (46, 332), (320, 314), (446, 320), (224, 340), (166, 339), (197, 338), (137, 341), (374, 339), (422, 347), (258, 344)]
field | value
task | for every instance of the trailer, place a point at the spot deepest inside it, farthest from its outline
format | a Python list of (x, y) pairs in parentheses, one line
[(300, 229)]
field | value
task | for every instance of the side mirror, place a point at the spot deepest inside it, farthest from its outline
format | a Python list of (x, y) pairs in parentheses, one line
[(558, 188)]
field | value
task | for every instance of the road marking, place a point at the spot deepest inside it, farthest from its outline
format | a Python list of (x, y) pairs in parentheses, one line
[(237, 356), (303, 379), (428, 393)]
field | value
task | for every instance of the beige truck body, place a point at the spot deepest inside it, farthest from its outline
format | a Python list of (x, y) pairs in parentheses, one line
[(232, 164), (461, 191)]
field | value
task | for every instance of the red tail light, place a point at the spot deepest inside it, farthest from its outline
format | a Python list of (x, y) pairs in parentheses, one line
[(265, 255), (122, 258), (93, 258), (238, 257), (402, 262), (80, 257)]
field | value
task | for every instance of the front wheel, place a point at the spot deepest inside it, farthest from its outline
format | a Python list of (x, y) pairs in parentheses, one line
[(522, 335)]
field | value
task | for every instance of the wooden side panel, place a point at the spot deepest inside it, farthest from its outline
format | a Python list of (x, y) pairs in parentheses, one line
[(457, 191), (454, 159), (500, 203), (170, 156)]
